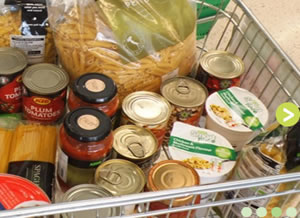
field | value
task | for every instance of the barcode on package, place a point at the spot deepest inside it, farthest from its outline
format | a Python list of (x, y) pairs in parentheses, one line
[(33, 46), (62, 166)]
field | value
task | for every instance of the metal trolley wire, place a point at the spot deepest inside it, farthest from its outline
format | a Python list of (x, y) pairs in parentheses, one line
[(270, 75)]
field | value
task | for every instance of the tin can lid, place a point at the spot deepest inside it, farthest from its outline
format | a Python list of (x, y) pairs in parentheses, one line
[(184, 92), (87, 124), (94, 88), (45, 79), (134, 142), (146, 107), (172, 174), (12, 60), (86, 192), (222, 64), (120, 177)]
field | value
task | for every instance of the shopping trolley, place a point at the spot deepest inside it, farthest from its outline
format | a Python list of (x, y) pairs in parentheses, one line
[(270, 75)]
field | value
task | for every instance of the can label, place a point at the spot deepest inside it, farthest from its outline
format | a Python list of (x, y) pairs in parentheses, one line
[(11, 96), (214, 84), (185, 115), (16, 192), (44, 109)]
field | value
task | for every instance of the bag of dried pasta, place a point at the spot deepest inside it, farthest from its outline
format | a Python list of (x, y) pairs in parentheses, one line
[(24, 25), (138, 43)]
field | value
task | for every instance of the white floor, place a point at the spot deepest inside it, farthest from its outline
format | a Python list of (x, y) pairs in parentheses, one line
[(282, 20)]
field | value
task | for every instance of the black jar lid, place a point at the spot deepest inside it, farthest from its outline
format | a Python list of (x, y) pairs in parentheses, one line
[(87, 124), (94, 88)]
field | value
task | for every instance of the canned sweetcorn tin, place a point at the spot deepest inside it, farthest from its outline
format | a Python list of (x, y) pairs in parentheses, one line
[(86, 192), (121, 177), (172, 174), (135, 144), (220, 70), (149, 110), (12, 64), (187, 97), (44, 93)]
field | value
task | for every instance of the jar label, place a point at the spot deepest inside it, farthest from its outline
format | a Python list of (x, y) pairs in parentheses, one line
[(95, 85), (64, 161), (43, 108), (40, 173), (11, 96), (88, 122)]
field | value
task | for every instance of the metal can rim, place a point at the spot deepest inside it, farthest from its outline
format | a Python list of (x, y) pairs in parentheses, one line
[(205, 66), (129, 114), (30, 84), (132, 158), (19, 54), (189, 79)]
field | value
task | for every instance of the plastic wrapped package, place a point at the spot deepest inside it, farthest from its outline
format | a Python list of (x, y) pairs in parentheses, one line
[(137, 43), (25, 25)]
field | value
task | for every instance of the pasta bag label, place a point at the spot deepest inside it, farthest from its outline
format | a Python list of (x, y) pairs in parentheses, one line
[(44, 109), (34, 18), (40, 173), (11, 96)]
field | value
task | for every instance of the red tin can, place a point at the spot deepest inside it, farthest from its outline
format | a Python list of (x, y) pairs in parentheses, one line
[(44, 93), (12, 64), (220, 70)]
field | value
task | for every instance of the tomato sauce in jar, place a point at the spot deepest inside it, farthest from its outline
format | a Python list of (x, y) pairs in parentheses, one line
[(94, 90), (12, 64), (172, 174), (85, 142), (44, 93), (220, 70)]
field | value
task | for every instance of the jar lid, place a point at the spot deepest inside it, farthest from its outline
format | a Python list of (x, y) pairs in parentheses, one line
[(184, 92), (12, 60), (172, 174), (134, 142), (94, 88), (87, 124), (120, 177), (222, 64), (87, 192), (145, 107), (45, 79)]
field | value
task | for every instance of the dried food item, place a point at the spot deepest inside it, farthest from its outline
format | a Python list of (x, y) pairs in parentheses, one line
[(137, 45), (19, 29), (32, 154)]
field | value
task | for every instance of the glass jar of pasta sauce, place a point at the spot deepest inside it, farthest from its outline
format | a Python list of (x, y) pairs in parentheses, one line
[(149, 110), (95, 90), (220, 70), (13, 62), (44, 93), (187, 97), (85, 142), (172, 174)]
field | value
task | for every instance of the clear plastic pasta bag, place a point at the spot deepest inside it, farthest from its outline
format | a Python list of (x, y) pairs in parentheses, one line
[(138, 43), (24, 24)]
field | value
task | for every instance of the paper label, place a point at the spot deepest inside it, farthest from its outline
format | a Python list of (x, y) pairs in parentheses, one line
[(241, 110), (33, 46), (210, 154)]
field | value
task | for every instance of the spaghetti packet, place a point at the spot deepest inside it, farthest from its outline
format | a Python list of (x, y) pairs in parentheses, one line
[(32, 154)]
